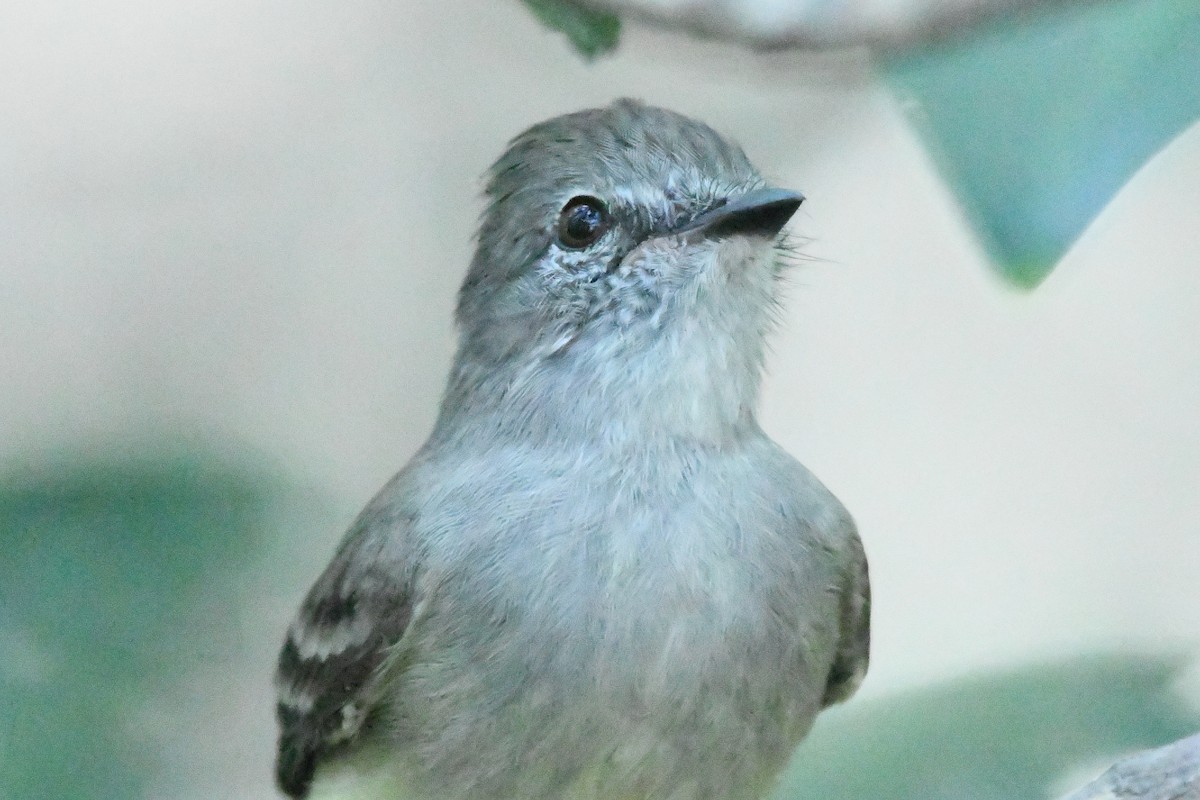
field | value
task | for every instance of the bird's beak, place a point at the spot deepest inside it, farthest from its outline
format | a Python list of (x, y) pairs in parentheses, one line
[(762, 212)]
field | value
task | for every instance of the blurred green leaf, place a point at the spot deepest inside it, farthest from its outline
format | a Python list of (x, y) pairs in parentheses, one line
[(593, 32), (1038, 122), (993, 737), (106, 577)]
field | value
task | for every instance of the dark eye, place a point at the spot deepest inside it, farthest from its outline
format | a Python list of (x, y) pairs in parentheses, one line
[(582, 221)]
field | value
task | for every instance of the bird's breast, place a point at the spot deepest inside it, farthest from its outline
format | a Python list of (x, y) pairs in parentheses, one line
[(637, 633)]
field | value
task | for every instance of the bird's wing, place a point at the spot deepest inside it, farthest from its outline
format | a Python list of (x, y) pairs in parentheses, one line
[(336, 649), (854, 637)]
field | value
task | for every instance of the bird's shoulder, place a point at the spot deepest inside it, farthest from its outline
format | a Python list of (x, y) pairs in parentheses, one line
[(809, 507), (821, 518)]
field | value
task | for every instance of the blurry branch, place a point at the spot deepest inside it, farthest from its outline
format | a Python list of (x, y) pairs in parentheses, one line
[(1168, 773), (885, 25)]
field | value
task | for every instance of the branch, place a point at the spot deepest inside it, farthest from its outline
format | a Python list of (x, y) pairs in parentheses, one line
[(1168, 773), (825, 25)]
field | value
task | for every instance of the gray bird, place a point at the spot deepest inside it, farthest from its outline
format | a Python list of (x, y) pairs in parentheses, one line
[(598, 579)]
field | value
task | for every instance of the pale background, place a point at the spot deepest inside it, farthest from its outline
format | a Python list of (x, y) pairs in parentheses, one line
[(242, 224)]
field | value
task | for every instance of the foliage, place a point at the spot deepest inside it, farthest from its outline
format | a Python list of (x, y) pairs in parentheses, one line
[(105, 598), (1037, 125), (592, 32), (996, 736)]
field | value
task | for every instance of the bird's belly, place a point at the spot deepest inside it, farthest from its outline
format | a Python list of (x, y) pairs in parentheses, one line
[(681, 701), (668, 649)]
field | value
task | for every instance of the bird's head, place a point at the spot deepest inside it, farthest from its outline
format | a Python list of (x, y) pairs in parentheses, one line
[(625, 251)]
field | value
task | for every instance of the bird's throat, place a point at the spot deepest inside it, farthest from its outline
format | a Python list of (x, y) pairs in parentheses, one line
[(694, 386)]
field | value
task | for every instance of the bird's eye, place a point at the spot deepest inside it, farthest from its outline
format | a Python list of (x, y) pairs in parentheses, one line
[(582, 221)]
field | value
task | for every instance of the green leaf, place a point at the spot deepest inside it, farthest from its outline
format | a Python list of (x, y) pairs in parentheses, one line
[(106, 583), (999, 736), (1038, 122), (593, 32)]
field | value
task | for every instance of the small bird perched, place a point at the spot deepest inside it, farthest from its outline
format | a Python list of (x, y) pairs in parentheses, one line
[(598, 579)]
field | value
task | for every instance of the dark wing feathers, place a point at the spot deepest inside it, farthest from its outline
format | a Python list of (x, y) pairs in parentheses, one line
[(356, 611), (854, 643)]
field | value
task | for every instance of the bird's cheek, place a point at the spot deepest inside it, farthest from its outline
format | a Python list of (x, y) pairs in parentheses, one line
[(670, 258)]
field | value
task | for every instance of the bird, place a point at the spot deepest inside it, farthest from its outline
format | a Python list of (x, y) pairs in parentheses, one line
[(598, 579)]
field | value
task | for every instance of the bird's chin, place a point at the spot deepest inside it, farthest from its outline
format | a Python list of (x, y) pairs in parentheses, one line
[(736, 269), (739, 255), (684, 256)]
